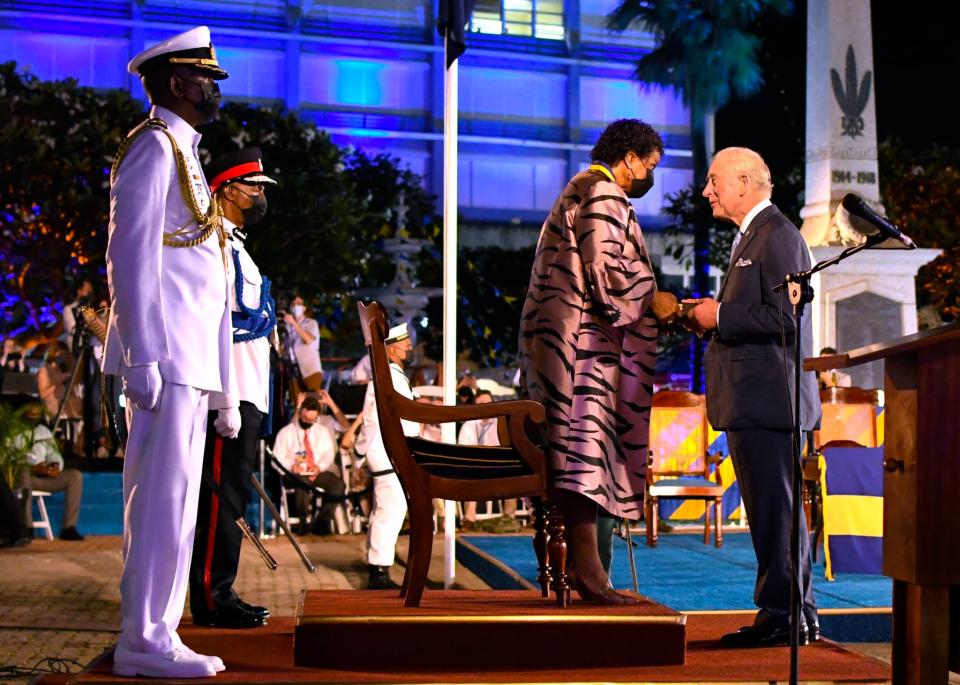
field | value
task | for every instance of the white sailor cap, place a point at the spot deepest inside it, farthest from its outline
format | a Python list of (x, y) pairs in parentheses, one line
[(191, 48), (397, 334)]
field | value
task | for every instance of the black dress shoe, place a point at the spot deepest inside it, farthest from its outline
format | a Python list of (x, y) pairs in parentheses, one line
[(813, 629), (768, 633), (253, 608), (71, 534), (229, 617)]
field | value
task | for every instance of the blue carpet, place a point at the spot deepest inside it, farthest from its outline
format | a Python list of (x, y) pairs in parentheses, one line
[(687, 575)]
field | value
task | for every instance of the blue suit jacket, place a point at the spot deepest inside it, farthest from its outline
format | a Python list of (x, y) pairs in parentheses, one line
[(747, 384)]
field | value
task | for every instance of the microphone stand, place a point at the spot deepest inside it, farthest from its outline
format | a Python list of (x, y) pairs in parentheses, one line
[(801, 293)]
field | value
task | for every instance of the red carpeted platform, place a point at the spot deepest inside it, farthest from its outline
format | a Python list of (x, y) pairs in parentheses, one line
[(266, 655)]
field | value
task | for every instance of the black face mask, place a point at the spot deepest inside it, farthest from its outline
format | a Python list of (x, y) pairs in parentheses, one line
[(641, 186), (304, 424), (209, 105), (255, 212)]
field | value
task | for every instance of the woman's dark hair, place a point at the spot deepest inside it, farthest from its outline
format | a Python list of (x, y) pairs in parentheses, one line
[(623, 136)]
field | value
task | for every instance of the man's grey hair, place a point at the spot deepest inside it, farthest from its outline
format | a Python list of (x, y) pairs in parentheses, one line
[(744, 161)]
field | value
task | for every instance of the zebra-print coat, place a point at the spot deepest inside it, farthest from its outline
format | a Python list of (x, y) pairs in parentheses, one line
[(588, 343)]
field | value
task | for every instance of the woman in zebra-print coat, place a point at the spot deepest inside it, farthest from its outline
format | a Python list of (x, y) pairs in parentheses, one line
[(588, 342)]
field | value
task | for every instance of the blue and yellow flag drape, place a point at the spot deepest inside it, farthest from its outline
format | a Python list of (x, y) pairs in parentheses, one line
[(852, 487)]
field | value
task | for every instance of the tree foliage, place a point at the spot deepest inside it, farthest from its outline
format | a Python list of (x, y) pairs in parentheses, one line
[(328, 212), (921, 190)]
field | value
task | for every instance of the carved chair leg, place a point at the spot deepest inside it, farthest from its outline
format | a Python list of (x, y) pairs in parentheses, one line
[(557, 550), (652, 523), (540, 545), (421, 549), (648, 519), (706, 522), (718, 520)]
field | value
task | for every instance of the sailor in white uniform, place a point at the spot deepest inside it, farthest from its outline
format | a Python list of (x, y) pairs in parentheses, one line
[(389, 502), (169, 337)]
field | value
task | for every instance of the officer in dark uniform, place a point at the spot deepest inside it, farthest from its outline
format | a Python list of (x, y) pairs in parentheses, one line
[(237, 181)]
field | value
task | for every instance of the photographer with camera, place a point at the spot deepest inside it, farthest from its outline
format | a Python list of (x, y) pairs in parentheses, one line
[(71, 313), (301, 346)]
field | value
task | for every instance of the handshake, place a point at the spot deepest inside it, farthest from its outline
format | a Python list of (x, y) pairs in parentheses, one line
[(695, 315)]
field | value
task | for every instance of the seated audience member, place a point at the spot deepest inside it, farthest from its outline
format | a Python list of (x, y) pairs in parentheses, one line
[(12, 358), (482, 432), (307, 447), (44, 471), (52, 379), (833, 378)]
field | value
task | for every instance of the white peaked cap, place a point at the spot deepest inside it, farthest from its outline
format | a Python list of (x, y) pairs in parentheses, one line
[(397, 333), (191, 48)]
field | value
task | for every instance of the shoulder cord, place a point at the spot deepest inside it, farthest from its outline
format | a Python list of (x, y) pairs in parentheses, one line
[(206, 223), (252, 322)]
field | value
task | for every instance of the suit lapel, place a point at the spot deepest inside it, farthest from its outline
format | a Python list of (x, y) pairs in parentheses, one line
[(755, 226)]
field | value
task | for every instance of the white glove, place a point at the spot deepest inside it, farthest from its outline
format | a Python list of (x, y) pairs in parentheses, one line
[(142, 384), (227, 422)]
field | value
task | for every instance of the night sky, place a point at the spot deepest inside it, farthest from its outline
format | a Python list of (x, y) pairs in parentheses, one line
[(915, 61)]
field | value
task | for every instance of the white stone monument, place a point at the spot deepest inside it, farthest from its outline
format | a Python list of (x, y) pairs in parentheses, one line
[(870, 297)]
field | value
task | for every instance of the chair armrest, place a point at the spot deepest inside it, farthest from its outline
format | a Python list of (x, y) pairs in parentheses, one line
[(434, 413)]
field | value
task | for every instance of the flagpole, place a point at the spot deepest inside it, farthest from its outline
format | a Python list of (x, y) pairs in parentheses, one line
[(450, 107)]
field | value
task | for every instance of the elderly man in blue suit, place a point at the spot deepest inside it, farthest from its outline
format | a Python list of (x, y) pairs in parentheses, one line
[(750, 382)]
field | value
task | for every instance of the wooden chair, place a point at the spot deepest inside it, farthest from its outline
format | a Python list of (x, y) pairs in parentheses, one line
[(429, 469), (679, 463), (849, 418)]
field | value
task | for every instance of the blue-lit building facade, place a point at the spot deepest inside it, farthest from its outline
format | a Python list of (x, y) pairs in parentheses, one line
[(539, 81)]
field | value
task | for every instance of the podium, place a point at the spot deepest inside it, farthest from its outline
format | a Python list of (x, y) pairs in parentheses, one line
[(921, 496)]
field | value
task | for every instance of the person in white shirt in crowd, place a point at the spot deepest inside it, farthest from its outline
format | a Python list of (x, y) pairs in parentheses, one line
[(70, 310), (832, 378), (389, 502), (482, 432), (307, 447), (302, 347), (44, 471), (169, 338), (362, 372), (238, 184)]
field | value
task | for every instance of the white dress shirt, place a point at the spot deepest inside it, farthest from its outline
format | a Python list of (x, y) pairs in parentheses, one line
[(289, 445), (481, 432), (251, 358), (169, 305), (744, 225)]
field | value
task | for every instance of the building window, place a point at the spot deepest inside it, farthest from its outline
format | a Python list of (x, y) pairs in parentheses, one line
[(531, 18)]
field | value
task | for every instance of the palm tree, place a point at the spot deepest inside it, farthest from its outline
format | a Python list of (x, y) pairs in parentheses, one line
[(707, 55)]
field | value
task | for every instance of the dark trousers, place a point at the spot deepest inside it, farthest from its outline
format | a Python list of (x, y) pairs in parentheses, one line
[(763, 462), (332, 484), (216, 547)]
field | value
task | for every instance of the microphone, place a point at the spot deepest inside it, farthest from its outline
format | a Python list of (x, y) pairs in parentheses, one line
[(857, 207)]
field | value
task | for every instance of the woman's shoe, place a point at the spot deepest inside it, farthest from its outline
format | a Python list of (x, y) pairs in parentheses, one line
[(607, 596)]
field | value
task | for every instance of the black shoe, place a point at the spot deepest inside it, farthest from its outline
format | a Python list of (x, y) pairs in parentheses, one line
[(813, 626), (229, 617), (71, 534), (380, 579), (253, 609), (765, 633)]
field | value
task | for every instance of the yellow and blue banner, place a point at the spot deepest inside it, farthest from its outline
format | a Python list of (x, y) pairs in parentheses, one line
[(852, 487)]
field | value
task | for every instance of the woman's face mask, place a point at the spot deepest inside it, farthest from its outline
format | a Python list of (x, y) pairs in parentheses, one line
[(298, 310), (639, 186)]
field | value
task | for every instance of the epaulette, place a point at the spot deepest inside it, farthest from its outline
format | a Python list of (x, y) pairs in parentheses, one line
[(134, 133)]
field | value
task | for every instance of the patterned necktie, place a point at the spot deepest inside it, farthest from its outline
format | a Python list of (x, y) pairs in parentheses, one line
[(736, 241), (311, 464)]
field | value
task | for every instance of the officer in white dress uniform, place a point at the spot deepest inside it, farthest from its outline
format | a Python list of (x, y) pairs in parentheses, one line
[(169, 337), (389, 502), (237, 181)]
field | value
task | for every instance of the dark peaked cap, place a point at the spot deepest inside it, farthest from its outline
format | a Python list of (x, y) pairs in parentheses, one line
[(244, 165)]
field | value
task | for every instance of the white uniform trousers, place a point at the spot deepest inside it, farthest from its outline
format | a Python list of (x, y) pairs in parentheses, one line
[(386, 519), (161, 485)]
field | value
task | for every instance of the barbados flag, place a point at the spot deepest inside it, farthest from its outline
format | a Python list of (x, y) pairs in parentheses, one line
[(851, 479), (692, 510)]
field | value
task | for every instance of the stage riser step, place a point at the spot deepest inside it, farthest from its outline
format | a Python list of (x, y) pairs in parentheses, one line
[(480, 630)]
